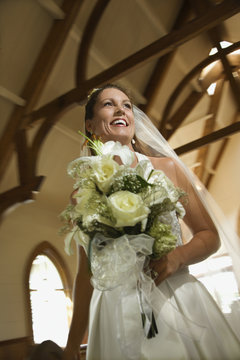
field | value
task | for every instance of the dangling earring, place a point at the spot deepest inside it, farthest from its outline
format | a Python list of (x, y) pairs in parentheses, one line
[(133, 141)]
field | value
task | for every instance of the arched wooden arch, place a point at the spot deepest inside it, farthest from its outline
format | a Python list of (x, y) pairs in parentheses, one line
[(45, 248), (86, 41), (166, 119)]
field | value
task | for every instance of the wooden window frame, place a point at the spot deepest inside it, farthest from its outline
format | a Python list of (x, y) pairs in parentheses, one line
[(45, 248)]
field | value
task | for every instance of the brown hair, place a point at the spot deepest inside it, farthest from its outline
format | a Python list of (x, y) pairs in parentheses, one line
[(92, 99)]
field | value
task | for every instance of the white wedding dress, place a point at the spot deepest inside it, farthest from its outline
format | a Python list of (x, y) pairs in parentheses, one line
[(190, 324)]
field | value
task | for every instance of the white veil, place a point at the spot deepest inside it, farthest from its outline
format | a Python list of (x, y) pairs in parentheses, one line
[(152, 143)]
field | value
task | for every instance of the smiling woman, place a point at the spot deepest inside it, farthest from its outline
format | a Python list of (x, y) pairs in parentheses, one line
[(128, 230), (112, 117)]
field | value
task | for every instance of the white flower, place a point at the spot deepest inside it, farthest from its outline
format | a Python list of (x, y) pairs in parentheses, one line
[(127, 208), (116, 148), (79, 236), (143, 169), (82, 197), (103, 170), (180, 210), (88, 219), (158, 177), (81, 239), (80, 167)]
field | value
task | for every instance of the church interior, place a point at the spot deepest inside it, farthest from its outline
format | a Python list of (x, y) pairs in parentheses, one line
[(180, 61)]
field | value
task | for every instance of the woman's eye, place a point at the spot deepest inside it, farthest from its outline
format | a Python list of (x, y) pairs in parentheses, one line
[(128, 105), (108, 103)]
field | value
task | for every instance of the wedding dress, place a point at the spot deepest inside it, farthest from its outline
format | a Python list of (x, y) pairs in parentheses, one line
[(190, 324)]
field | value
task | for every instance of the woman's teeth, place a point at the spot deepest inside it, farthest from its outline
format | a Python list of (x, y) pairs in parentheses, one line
[(119, 122)]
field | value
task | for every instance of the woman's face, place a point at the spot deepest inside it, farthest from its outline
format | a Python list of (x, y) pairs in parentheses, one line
[(113, 117)]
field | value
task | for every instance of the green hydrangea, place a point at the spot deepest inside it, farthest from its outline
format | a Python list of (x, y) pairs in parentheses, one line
[(165, 240)]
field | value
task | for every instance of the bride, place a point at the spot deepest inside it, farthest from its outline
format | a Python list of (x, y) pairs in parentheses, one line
[(188, 321)]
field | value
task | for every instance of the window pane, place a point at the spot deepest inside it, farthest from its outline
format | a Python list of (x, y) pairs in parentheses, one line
[(48, 301)]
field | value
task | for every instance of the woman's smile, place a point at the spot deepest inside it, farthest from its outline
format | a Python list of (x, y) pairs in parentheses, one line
[(113, 117), (119, 122)]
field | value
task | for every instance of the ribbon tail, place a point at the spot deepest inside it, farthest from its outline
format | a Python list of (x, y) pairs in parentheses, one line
[(147, 315)]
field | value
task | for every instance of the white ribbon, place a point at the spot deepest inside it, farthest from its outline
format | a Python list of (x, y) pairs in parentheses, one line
[(120, 263)]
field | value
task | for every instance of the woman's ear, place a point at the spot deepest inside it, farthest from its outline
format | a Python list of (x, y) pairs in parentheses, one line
[(88, 125)]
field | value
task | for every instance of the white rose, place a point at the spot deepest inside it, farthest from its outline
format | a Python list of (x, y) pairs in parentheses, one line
[(127, 208), (104, 170)]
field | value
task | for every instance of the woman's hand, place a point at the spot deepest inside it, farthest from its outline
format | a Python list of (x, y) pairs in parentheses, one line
[(162, 268)]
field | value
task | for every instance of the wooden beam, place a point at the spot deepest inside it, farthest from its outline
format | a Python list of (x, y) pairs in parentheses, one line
[(181, 113), (157, 49), (209, 128), (86, 41), (219, 156), (163, 64), (10, 96), (228, 71), (217, 161), (178, 90), (52, 8), (19, 194), (25, 170), (208, 139), (214, 35), (38, 77), (156, 80)]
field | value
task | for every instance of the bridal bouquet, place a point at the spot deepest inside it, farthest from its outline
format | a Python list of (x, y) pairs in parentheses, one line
[(121, 216), (114, 200)]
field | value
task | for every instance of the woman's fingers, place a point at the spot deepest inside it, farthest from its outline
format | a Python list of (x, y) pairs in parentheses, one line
[(161, 269)]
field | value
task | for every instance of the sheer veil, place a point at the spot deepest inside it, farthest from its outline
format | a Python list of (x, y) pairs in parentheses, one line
[(151, 143)]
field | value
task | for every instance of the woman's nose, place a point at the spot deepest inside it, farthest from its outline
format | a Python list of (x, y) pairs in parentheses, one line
[(120, 110)]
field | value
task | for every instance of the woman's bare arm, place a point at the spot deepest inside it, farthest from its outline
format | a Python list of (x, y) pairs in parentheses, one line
[(205, 239), (81, 300)]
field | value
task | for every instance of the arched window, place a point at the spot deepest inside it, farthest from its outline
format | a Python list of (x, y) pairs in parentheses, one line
[(50, 305)]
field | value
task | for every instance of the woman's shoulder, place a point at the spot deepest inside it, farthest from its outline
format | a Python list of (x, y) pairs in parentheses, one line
[(169, 166), (160, 163)]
